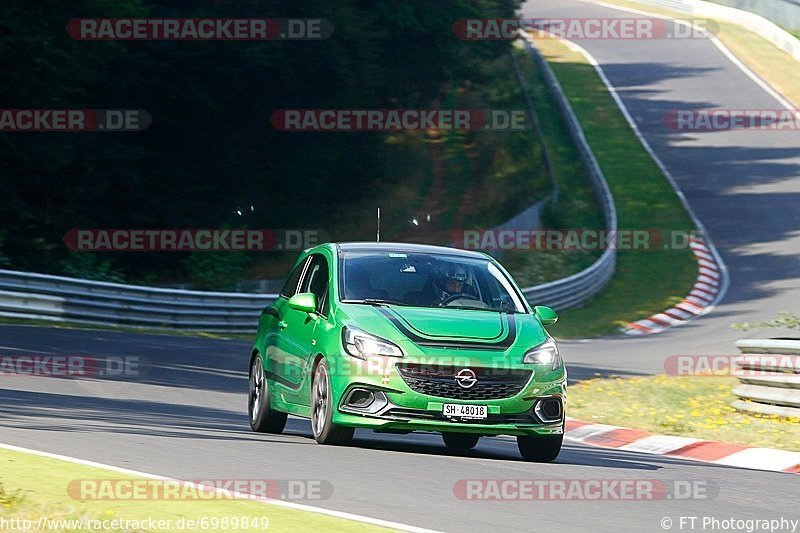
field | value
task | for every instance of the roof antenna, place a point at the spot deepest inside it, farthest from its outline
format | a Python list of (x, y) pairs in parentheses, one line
[(378, 234)]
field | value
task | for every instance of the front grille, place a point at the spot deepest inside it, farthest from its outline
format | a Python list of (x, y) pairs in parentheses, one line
[(440, 381)]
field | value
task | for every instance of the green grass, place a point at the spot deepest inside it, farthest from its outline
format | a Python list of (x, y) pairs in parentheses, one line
[(32, 486), (646, 282), (692, 406), (577, 206)]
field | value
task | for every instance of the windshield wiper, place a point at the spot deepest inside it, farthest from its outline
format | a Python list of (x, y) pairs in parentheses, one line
[(375, 301), (473, 308)]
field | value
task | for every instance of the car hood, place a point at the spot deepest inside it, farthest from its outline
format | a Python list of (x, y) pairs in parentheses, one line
[(442, 327), (451, 324)]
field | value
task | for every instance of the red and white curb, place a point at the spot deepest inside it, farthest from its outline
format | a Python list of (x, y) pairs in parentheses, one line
[(721, 453), (698, 302)]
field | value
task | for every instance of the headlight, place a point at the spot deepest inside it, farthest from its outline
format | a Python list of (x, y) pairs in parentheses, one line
[(361, 344), (544, 354)]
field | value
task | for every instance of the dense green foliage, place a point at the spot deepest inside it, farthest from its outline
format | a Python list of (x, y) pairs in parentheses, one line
[(211, 149)]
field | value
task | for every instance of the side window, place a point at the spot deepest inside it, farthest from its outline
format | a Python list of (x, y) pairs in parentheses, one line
[(316, 281), (290, 289)]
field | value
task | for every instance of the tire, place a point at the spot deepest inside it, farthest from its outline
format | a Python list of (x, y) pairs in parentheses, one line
[(325, 431), (460, 441), (540, 449), (263, 419)]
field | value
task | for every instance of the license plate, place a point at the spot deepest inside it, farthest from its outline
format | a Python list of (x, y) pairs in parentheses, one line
[(454, 410)]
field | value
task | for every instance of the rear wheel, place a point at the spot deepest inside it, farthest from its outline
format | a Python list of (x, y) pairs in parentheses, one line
[(540, 449), (263, 419), (460, 441), (325, 431)]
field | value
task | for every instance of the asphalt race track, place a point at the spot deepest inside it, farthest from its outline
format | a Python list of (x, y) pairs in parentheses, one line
[(186, 418), (743, 185)]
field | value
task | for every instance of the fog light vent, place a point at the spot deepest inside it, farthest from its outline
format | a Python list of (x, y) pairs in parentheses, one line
[(549, 410), (360, 398)]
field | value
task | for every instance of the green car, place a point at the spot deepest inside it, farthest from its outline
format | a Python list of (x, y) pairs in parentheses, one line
[(404, 337)]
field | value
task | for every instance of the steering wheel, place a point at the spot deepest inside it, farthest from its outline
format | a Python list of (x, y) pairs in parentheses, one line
[(454, 297)]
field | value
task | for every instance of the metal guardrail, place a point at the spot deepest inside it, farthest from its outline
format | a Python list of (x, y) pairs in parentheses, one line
[(45, 297), (56, 298), (766, 386)]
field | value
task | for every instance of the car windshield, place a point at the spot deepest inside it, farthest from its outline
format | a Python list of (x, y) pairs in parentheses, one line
[(426, 280)]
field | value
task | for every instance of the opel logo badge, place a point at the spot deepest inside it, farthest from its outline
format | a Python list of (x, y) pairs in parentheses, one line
[(466, 378)]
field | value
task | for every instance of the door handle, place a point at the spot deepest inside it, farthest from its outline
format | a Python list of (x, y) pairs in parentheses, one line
[(282, 325)]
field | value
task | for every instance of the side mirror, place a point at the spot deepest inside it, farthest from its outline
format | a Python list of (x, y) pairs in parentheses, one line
[(304, 301), (545, 315)]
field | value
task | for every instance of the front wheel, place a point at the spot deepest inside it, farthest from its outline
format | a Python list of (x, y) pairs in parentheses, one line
[(540, 449), (325, 431), (263, 419), (460, 441)]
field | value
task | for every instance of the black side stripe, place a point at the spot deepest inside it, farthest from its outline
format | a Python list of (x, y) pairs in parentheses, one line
[(272, 376)]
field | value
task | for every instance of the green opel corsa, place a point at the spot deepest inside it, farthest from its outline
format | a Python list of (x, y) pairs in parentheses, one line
[(404, 337)]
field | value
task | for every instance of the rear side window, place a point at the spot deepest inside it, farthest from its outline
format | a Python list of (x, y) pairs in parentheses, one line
[(290, 289)]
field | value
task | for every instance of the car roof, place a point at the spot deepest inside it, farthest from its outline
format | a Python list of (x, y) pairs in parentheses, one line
[(407, 247)]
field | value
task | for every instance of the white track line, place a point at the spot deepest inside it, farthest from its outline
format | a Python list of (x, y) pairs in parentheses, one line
[(248, 497), (725, 280)]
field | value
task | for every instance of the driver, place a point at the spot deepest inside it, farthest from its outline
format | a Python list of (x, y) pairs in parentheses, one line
[(450, 282)]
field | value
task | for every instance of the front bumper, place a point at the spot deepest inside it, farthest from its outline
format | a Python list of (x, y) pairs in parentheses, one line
[(397, 407), (400, 419)]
